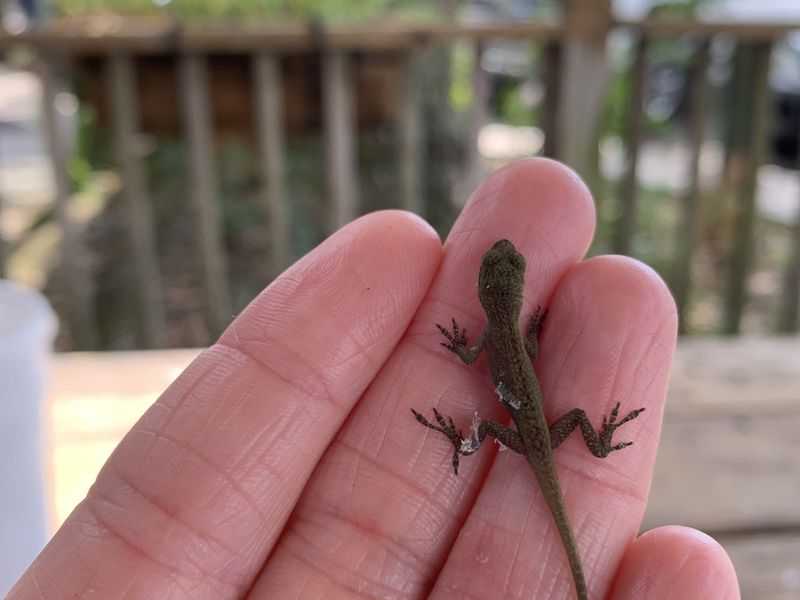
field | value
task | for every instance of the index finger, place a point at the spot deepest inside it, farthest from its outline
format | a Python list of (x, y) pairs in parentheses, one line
[(192, 500)]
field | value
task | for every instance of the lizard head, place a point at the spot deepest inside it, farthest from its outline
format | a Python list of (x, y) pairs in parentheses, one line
[(501, 281)]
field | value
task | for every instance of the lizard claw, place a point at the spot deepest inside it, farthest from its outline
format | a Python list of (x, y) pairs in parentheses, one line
[(537, 321), (448, 428), (458, 339), (610, 425)]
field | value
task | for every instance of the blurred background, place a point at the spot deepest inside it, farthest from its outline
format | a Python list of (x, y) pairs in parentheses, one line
[(162, 160)]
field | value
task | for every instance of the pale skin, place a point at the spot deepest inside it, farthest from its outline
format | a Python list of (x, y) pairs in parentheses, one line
[(285, 463)]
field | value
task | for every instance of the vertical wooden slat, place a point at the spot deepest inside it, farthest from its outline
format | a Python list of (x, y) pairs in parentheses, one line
[(687, 233), (789, 318), (742, 248), (789, 315), (411, 137), (205, 190), (270, 138), (479, 114), (634, 126), (136, 196), (340, 132), (74, 276), (551, 73), (583, 84)]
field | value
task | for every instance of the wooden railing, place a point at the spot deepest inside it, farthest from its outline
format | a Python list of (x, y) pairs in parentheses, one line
[(574, 101)]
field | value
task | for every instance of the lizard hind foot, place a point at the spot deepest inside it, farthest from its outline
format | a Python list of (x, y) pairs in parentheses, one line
[(610, 425), (446, 427)]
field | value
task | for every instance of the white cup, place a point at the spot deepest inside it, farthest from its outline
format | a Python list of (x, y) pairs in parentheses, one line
[(27, 329)]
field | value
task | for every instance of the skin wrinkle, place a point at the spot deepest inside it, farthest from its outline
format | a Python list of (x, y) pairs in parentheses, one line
[(515, 555), (171, 516), (327, 397), (218, 419), (124, 540), (313, 567), (330, 575), (182, 397), (389, 548), (418, 489), (228, 482), (361, 351), (611, 392), (221, 418)]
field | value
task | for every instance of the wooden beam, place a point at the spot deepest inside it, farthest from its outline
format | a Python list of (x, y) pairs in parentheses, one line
[(745, 31), (270, 136), (193, 72), (340, 134), (136, 196), (73, 275), (147, 35)]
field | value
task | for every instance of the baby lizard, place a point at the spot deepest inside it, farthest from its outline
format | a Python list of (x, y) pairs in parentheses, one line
[(500, 289)]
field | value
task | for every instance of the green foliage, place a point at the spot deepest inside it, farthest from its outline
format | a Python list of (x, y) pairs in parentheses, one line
[(329, 10), (461, 60), (678, 8)]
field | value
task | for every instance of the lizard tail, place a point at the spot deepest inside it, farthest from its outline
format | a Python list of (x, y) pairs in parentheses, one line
[(555, 502), (568, 539)]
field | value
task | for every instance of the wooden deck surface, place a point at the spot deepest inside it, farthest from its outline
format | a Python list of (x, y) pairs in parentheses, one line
[(729, 461)]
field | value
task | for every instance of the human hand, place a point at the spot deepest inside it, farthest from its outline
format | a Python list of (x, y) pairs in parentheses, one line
[(285, 461)]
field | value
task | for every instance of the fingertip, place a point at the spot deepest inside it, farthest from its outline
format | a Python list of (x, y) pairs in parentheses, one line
[(676, 562), (629, 289), (546, 176), (537, 204)]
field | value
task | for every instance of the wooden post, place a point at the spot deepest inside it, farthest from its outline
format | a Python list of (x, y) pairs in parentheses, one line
[(74, 276), (687, 233), (340, 132), (551, 77), (741, 255), (583, 83), (270, 137), (479, 115), (411, 138), (789, 318), (205, 190), (141, 228), (626, 225)]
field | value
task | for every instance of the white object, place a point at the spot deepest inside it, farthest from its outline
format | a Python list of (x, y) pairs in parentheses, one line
[(27, 329)]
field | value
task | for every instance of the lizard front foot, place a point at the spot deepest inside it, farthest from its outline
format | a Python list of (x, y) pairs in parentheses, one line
[(610, 425), (457, 339), (448, 428), (457, 343)]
